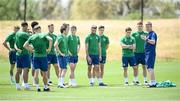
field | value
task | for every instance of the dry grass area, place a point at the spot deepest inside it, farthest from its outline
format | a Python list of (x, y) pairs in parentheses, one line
[(168, 32)]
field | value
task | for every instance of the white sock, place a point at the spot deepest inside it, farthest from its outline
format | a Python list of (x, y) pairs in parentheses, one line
[(17, 85), (125, 79), (37, 86), (100, 80), (46, 86), (135, 78), (49, 80), (26, 84), (62, 80), (92, 80), (145, 79), (11, 77)]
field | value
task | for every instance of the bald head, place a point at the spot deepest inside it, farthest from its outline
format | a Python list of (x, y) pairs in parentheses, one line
[(148, 26)]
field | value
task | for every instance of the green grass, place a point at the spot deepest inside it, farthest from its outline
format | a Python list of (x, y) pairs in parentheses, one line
[(116, 91)]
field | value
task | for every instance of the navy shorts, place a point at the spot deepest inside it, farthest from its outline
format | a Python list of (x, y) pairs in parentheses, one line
[(103, 60), (150, 61), (73, 59), (140, 58), (128, 60), (12, 57), (94, 60), (52, 59), (40, 63), (63, 61), (23, 61)]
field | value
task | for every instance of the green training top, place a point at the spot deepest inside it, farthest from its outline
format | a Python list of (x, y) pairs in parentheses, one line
[(93, 41), (104, 42), (20, 39), (39, 42), (54, 37), (73, 42), (11, 40), (127, 41), (139, 42), (62, 44)]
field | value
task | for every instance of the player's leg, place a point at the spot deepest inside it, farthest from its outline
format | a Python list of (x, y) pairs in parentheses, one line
[(48, 74), (36, 78), (12, 60), (26, 65), (72, 76), (126, 76), (145, 74), (45, 81), (125, 68), (101, 70), (63, 66), (17, 77), (150, 66), (144, 68), (132, 62), (56, 69)]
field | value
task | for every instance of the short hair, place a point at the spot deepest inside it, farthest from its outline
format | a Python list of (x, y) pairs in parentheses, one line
[(34, 23), (16, 27), (65, 24), (23, 24), (73, 27), (140, 23), (50, 25), (149, 23), (128, 29), (63, 28), (94, 26), (101, 27)]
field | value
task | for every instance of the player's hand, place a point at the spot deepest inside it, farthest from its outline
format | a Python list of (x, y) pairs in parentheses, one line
[(100, 58), (62, 54), (19, 50), (12, 50), (89, 59), (131, 47), (143, 37), (48, 50), (31, 50)]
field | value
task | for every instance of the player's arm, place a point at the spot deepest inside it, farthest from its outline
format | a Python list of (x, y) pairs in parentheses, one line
[(5, 44), (79, 46), (50, 43), (87, 53), (16, 48), (28, 47), (57, 48), (151, 41), (100, 50), (125, 46)]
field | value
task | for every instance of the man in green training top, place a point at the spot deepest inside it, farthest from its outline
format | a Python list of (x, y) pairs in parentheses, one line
[(140, 51), (93, 55), (74, 47), (104, 47), (22, 56), (61, 46), (52, 58), (9, 44), (39, 49), (128, 46)]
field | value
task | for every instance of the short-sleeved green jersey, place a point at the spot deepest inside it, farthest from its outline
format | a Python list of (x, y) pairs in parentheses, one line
[(39, 43), (139, 42), (20, 39), (11, 39), (73, 43), (127, 41), (54, 37), (104, 42), (93, 41), (62, 44)]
